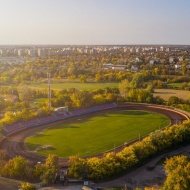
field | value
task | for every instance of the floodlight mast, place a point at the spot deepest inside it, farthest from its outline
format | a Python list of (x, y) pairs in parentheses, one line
[(49, 90)]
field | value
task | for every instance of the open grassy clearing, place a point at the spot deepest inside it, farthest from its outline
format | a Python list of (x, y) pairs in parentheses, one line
[(174, 85), (95, 134), (41, 100), (77, 85), (166, 93)]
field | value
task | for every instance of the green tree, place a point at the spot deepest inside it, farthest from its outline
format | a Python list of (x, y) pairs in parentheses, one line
[(156, 71), (18, 167), (173, 100), (178, 173), (77, 167), (50, 167), (99, 98), (83, 78), (97, 77), (82, 99), (184, 68), (3, 159), (124, 88), (25, 93), (72, 77), (144, 148), (137, 80), (150, 88), (27, 186)]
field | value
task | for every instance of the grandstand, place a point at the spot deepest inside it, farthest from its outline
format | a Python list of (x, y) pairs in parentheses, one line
[(31, 123), (47, 119), (14, 127), (56, 117)]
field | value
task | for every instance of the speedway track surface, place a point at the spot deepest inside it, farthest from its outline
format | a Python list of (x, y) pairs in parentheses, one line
[(14, 144)]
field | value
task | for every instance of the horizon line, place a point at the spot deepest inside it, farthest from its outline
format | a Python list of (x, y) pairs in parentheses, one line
[(95, 44)]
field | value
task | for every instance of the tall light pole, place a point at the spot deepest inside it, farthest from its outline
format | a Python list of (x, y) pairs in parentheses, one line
[(49, 90)]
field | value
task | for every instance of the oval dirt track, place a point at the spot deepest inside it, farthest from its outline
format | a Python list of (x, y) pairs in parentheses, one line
[(14, 144)]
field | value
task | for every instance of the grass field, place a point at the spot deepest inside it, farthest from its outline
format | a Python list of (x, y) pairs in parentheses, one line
[(95, 134), (77, 85), (166, 93), (174, 85)]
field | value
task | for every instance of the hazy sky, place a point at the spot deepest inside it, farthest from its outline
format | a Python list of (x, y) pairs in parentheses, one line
[(94, 22)]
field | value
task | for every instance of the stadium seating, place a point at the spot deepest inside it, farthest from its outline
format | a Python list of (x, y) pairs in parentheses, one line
[(57, 117), (13, 127), (31, 123), (47, 119)]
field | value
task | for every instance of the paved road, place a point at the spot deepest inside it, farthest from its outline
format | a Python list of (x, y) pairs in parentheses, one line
[(71, 187), (11, 184)]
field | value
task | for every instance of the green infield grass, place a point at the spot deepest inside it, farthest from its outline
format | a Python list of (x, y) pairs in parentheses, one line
[(95, 134)]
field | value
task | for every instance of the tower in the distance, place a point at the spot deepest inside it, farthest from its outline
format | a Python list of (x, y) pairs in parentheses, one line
[(49, 90)]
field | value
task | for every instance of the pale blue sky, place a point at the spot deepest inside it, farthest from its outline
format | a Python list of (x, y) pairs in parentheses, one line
[(94, 22)]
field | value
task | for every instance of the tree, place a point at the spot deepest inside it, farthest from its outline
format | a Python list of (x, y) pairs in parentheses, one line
[(82, 99), (18, 167), (184, 68), (25, 93), (78, 167), (97, 77), (3, 159), (83, 78), (99, 98), (150, 88), (137, 80), (50, 169), (156, 71), (111, 97), (178, 173), (144, 149), (27, 186), (173, 100), (124, 88), (72, 77)]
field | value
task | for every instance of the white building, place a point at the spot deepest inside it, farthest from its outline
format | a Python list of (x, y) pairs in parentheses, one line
[(132, 50), (3, 51), (20, 52), (126, 50), (180, 58), (152, 61), (162, 48), (139, 50), (119, 67), (31, 52), (171, 59), (41, 52), (177, 66), (134, 68), (108, 65)]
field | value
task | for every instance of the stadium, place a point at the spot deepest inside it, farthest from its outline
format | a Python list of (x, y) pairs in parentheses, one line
[(15, 135)]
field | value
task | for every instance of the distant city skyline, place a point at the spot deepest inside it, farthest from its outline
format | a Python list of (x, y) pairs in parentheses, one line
[(95, 22)]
